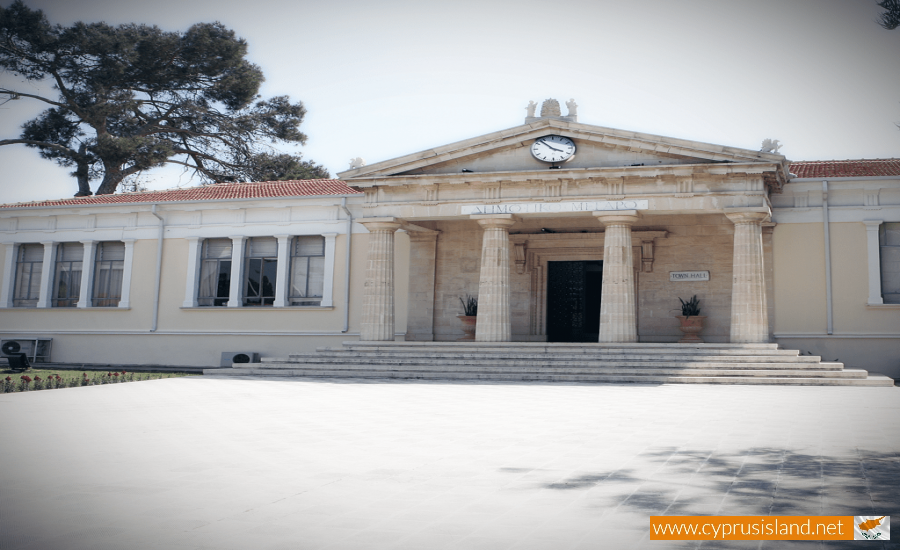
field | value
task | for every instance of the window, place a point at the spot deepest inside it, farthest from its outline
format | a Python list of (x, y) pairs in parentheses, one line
[(29, 263), (67, 279), (889, 248), (108, 269), (215, 273), (307, 270), (260, 271)]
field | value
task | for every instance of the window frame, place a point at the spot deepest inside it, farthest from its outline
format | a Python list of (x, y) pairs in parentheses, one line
[(267, 264), (894, 298), (16, 299), (71, 298), (307, 299), (97, 281), (217, 300)]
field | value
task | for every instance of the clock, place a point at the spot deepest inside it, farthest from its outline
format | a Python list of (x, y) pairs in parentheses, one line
[(553, 149)]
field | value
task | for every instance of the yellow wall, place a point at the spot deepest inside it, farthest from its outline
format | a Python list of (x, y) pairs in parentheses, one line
[(864, 336), (799, 258)]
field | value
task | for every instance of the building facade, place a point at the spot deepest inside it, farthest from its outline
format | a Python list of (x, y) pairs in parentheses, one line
[(564, 231)]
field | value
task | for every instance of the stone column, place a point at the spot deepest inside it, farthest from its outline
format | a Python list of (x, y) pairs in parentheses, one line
[(9, 275), (749, 319), (87, 274), (873, 251), (420, 311), (378, 300), (235, 298), (127, 270), (48, 270), (282, 272), (618, 322), (493, 285), (192, 281)]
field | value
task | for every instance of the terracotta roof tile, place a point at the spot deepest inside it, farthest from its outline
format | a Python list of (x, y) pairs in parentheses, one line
[(846, 168), (218, 191)]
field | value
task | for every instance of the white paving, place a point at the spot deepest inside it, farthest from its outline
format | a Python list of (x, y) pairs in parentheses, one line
[(272, 463)]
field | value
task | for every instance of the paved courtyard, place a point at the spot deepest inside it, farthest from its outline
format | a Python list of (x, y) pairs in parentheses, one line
[(221, 463)]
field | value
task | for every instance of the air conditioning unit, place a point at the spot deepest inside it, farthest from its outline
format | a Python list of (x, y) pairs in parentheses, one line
[(229, 357)]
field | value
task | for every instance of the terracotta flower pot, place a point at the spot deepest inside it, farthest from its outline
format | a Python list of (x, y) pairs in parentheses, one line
[(691, 327), (468, 326)]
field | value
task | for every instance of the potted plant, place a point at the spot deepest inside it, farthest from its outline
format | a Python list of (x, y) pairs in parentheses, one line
[(470, 310), (691, 321)]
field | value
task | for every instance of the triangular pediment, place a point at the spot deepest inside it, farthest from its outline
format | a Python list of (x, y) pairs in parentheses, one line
[(597, 148)]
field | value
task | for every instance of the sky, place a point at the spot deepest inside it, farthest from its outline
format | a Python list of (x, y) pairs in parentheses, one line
[(386, 78)]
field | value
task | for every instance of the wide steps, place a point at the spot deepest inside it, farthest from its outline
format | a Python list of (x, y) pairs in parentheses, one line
[(459, 364), (553, 371), (518, 359), (562, 362), (857, 380)]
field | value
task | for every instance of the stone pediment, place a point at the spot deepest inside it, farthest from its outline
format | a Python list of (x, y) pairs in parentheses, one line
[(598, 148)]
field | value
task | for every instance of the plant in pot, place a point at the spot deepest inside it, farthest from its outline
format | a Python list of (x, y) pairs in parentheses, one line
[(691, 321), (468, 318)]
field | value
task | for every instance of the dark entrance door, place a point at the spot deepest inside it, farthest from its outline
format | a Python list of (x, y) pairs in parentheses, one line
[(573, 301)]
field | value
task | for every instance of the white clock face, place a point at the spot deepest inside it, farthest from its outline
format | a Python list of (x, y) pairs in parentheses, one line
[(553, 149)]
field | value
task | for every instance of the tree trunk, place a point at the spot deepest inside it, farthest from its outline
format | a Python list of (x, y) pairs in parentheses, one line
[(112, 177)]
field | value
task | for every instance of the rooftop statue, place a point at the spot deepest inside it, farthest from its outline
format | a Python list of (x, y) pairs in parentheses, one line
[(357, 162), (550, 107), (770, 146), (573, 107), (531, 107)]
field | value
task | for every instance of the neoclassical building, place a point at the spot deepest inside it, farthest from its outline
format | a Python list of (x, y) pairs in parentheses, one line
[(565, 232)]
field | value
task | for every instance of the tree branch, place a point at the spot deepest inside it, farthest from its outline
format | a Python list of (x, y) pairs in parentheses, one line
[(56, 146), (40, 98)]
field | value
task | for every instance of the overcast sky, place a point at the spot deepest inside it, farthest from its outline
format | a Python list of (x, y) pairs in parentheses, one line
[(382, 79)]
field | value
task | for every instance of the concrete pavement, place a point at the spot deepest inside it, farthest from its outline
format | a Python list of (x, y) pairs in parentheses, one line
[(225, 463)]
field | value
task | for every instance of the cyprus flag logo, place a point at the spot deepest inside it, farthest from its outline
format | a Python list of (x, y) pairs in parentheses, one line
[(871, 528)]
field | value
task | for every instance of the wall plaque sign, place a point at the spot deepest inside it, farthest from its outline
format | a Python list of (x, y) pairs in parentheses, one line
[(543, 207), (689, 275)]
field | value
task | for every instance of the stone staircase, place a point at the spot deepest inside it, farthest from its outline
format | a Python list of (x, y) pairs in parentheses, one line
[(563, 362)]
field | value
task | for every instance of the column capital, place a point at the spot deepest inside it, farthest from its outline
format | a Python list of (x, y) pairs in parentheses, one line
[(380, 224), (747, 215), (872, 225), (617, 217), (494, 220)]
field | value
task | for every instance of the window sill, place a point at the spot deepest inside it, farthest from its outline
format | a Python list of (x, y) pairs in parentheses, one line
[(257, 308), (883, 306)]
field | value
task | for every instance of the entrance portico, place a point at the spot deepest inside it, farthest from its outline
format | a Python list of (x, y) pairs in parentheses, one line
[(486, 219)]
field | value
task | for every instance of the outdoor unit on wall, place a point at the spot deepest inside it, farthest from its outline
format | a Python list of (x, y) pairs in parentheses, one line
[(37, 349), (229, 357)]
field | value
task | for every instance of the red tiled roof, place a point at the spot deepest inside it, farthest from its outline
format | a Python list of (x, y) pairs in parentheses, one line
[(218, 191), (846, 168)]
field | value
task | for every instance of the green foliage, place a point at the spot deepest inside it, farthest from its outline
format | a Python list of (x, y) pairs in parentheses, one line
[(470, 305), (691, 307), (133, 97), (268, 167), (890, 19)]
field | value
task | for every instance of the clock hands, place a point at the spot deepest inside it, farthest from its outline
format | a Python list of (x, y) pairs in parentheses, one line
[(547, 145)]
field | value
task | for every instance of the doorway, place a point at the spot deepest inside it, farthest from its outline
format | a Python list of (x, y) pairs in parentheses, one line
[(573, 301)]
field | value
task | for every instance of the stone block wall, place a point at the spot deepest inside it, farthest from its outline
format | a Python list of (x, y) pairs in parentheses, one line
[(694, 243), (456, 273)]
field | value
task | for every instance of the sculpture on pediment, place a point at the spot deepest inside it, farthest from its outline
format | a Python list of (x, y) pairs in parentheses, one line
[(573, 107), (531, 107), (550, 107), (770, 146), (357, 162)]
